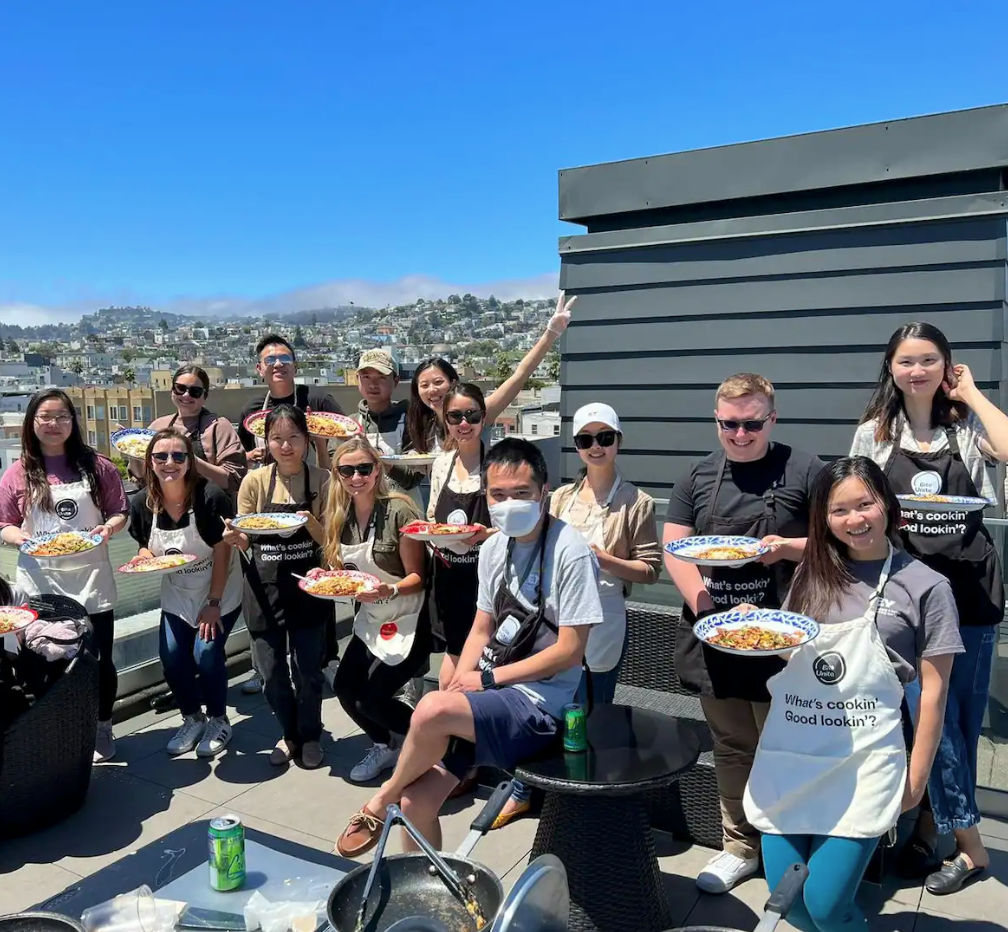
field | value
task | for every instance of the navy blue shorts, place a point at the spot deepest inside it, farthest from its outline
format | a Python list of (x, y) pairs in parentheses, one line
[(509, 729)]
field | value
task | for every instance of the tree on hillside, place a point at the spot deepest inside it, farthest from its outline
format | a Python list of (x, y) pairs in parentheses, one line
[(129, 376), (128, 356), (162, 325), (502, 368), (454, 299), (13, 347), (553, 367), (493, 303), (77, 368), (299, 339)]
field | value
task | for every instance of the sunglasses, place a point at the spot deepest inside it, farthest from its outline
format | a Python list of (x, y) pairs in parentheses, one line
[(750, 427), (605, 438), (284, 359), (362, 469), (176, 456), (193, 391), (472, 416)]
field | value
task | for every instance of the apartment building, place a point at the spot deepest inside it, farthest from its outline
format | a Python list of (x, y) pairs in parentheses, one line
[(102, 411)]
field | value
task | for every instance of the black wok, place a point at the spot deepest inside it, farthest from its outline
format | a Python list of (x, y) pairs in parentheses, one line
[(426, 884)]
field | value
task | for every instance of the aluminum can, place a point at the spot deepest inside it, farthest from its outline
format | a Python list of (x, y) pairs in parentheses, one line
[(226, 843), (575, 734)]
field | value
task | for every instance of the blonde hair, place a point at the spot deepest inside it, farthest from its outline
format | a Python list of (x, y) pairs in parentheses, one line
[(339, 503), (742, 384)]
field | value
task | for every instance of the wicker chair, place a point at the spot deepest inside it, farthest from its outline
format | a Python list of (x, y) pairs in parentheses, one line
[(47, 752)]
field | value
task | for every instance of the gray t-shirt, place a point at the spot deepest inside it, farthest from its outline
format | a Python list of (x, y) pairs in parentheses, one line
[(917, 614), (570, 586)]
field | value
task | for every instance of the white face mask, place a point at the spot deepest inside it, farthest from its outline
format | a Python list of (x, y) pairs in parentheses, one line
[(515, 517)]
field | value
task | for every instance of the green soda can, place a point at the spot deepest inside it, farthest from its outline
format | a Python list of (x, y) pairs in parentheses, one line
[(226, 840), (575, 733)]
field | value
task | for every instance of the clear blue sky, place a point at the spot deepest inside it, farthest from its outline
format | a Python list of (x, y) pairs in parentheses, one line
[(169, 148)]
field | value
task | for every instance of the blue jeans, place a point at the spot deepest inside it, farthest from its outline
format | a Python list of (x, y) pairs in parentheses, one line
[(193, 668), (836, 866)]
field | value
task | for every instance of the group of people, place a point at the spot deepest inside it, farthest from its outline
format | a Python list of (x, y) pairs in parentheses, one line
[(530, 610)]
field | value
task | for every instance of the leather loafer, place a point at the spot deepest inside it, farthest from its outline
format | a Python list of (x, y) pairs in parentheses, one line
[(951, 876)]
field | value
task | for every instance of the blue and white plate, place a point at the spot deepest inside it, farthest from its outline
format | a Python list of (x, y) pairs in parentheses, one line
[(942, 504), (697, 550), (288, 523), (771, 619), (132, 442), (38, 542)]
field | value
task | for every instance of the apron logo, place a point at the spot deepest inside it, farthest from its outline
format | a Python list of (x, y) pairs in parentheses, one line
[(388, 630), (830, 668), (66, 509), (458, 516), (926, 483)]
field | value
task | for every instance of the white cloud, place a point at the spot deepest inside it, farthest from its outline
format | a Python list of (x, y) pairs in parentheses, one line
[(361, 292)]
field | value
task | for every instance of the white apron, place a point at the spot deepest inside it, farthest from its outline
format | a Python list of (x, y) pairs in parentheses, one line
[(831, 759), (185, 592), (88, 578), (605, 641), (389, 443), (387, 628)]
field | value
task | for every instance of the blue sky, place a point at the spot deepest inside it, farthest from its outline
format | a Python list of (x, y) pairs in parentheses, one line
[(219, 155)]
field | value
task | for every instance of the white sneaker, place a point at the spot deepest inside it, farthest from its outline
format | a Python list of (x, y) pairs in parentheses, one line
[(188, 735), (215, 738), (104, 743), (254, 684), (377, 760), (724, 871)]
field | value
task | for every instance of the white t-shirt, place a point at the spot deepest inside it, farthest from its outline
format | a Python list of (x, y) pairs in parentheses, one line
[(570, 587)]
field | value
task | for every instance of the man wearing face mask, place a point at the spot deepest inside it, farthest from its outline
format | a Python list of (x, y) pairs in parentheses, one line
[(521, 664)]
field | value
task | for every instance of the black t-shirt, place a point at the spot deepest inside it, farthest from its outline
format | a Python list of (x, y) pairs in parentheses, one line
[(210, 506), (742, 488), (304, 397)]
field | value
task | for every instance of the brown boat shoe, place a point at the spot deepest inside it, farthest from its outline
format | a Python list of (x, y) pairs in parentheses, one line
[(360, 835)]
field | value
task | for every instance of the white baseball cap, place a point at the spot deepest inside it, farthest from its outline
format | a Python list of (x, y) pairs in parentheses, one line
[(596, 413)]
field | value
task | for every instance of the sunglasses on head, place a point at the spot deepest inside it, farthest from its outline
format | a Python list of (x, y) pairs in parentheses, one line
[(283, 359), (729, 426), (472, 416), (605, 438), (362, 469), (193, 391), (176, 456)]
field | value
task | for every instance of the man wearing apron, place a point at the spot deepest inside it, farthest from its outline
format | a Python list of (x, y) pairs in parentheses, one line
[(754, 488)]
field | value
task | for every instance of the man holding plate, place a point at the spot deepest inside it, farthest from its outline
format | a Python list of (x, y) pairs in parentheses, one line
[(754, 488)]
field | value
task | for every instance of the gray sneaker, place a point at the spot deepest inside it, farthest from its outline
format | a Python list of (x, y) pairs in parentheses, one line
[(413, 691), (215, 738), (104, 743), (254, 684), (188, 734)]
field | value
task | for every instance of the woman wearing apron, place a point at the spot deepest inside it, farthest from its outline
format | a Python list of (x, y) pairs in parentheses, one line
[(391, 630), (181, 512), (831, 775), (931, 429), (280, 616), (62, 484), (617, 520)]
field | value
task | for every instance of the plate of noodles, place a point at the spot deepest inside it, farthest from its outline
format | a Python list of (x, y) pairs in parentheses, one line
[(716, 550), (409, 459), (762, 632), (338, 585), (436, 532), (152, 566), (132, 442), (14, 619), (941, 504), (320, 424), (60, 544), (269, 523)]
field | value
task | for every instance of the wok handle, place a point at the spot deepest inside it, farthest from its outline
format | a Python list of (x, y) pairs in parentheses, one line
[(494, 805), (783, 896)]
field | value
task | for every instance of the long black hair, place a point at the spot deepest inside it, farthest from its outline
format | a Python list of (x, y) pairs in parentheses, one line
[(886, 407), (80, 457), (822, 577), (6, 592), (421, 422)]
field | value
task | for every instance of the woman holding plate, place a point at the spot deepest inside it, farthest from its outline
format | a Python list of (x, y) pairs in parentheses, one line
[(183, 513), (391, 630), (279, 615), (932, 430), (61, 484), (830, 776)]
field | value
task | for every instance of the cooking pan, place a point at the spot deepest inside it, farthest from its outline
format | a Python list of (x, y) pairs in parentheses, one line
[(450, 888)]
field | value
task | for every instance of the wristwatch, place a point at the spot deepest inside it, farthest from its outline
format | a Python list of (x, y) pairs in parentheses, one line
[(487, 680), (213, 603)]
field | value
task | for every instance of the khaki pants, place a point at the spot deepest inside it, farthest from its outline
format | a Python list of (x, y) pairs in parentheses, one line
[(736, 725)]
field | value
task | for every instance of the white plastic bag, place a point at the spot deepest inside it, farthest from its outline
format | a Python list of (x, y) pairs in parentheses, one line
[(289, 915)]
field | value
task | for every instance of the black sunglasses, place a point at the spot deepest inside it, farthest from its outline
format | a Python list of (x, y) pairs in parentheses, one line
[(176, 456), (472, 416), (750, 427), (605, 438), (362, 469), (193, 391)]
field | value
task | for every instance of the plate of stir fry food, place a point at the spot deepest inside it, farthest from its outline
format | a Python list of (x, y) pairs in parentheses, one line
[(320, 424), (943, 503), (14, 619), (168, 563), (62, 544), (717, 550), (435, 532), (268, 523), (762, 632), (132, 441), (337, 585)]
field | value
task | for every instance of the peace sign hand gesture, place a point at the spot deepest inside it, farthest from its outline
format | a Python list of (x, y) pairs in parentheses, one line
[(561, 316)]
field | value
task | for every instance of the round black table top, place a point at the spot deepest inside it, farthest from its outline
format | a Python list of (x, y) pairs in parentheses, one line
[(629, 750)]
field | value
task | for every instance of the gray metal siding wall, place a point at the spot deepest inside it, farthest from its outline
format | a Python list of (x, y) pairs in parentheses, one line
[(657, 327)]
